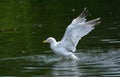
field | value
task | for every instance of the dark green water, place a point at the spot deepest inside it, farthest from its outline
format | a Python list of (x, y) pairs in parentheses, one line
[(24, 24)]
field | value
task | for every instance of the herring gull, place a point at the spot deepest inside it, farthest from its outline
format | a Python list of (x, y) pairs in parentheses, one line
[(78, 28)]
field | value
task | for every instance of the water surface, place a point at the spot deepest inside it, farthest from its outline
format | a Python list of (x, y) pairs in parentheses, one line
[(24, 24)]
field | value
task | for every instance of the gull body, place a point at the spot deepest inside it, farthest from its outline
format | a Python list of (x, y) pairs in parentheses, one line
[(74, 32)]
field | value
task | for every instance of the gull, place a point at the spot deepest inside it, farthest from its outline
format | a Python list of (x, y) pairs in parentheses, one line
[(78, 28)]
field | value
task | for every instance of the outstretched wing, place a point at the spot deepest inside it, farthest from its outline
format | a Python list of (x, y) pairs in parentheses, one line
[(76, 30)]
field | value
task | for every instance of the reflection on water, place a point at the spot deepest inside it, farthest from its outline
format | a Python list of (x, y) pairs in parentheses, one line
[(65, 68), (90, 63), (110, 40)]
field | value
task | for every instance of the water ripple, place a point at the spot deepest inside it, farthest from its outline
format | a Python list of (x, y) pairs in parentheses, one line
[(91, 63)]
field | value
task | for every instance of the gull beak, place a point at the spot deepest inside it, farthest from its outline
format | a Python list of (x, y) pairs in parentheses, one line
[(45, 41)]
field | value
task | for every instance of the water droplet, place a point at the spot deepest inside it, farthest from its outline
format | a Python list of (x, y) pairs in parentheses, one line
[(3, 30), (90, 14), (20, 2), (73, 10), (33, 32), (115, 22), (15, 29), (40, 25), (35, 24), (23, 51)]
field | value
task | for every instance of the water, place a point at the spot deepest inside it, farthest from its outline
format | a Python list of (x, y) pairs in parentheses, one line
[(25, 24), (90, 64)]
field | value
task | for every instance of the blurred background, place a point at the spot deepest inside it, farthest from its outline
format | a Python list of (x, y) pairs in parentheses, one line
[(24, 24)]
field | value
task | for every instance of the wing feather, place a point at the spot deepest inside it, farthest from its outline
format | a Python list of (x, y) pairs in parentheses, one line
[(76, 30)]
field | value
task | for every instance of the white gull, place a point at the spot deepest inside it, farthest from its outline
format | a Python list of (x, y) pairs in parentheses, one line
[(74, 32)]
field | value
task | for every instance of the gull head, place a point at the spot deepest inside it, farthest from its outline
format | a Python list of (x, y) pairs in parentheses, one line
[(49, 40)]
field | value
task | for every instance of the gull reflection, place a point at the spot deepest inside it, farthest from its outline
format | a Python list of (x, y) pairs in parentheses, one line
[(65, 68)]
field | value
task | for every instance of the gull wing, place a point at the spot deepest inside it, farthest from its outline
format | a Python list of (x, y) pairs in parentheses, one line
[(76, 30)]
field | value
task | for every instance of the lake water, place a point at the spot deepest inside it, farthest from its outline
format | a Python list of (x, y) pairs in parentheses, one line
[(24, 24)]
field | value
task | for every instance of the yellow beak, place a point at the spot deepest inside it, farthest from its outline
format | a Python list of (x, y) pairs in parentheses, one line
[(45, 41)]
